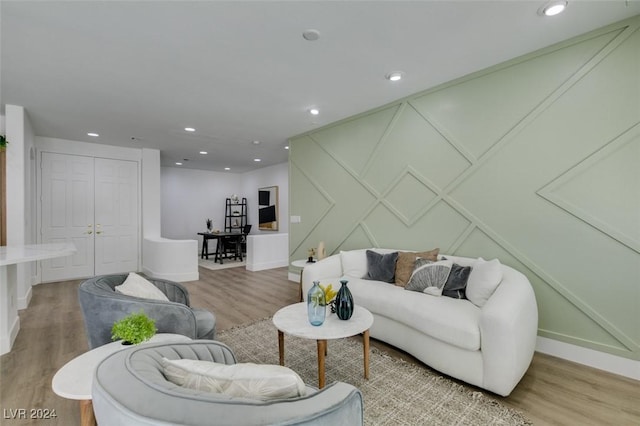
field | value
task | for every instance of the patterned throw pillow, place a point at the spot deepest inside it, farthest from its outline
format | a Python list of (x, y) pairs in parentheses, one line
[(429, 277), (381, 267), (406, 262)]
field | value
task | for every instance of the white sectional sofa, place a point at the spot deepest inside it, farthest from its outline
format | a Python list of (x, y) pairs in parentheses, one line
[(490, 346)]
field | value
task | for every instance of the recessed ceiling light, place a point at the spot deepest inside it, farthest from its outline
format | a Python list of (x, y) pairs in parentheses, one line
[(189, 129), (227, 168), (203, 152), (552, 8), (95, 135), (311, 35), (394, 76), (178, 163), (314, 111), (257, 160), (286, 147), (256, 142)]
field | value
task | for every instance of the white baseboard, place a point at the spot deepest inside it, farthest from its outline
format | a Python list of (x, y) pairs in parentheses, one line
[(596, 359), (6, 342), (266, 265), (23, 302), (177, 277)]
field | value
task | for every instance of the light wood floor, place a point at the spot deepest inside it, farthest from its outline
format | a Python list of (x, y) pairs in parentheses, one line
[(553, 392)]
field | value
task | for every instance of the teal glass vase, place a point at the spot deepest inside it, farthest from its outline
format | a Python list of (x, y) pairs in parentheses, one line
[(344, 301), (316, 306)]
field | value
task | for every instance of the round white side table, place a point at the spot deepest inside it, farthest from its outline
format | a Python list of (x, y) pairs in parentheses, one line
[(75, 378)]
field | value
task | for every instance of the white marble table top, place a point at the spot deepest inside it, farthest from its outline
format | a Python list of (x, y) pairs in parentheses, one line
[(301, 263), (75, 378), (293, 320), (10, 255)]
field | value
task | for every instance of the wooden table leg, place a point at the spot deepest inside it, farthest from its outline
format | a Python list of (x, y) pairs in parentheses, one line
[(300, 290), (87, 417), (322, 350), (219, 250), (281, 346), (205, 248), (365, 345)]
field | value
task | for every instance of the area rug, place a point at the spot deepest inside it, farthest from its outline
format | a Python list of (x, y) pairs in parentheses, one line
[(397, 392), (228, 263)]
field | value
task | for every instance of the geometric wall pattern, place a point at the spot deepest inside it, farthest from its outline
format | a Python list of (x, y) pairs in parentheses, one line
[(535, 161)]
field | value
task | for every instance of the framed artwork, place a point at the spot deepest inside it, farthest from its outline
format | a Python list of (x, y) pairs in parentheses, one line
[(268, 208)]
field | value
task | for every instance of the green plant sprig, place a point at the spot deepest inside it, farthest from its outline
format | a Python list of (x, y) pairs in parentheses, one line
[(134, 328)]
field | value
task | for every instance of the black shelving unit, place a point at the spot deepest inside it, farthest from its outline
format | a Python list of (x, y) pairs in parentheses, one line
[(235, 215)]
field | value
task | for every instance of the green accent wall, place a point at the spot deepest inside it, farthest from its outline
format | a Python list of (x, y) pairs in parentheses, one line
[(535, 161)]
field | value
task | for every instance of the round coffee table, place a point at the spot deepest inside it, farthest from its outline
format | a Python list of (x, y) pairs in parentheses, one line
[(75, 378), (293, 320)]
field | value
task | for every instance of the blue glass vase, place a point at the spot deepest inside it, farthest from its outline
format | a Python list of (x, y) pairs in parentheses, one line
[(344, 302), (316, 304)]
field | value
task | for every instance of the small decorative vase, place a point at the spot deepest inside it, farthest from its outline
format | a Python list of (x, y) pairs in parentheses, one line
[(316, 304), (344, 301)]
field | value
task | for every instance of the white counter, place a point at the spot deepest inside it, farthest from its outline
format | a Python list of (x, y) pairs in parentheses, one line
[(10, 256)]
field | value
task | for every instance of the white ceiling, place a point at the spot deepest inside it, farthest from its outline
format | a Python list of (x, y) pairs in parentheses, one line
[(240, 71)]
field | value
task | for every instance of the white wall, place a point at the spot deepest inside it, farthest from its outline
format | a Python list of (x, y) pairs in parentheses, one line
[(20, 194), (150, 193), (277, 175), (190, 197), (267, 251)]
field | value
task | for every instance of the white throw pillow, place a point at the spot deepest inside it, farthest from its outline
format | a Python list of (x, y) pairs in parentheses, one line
[(137, 286), (354, 263), (484, 279), (248, 380)]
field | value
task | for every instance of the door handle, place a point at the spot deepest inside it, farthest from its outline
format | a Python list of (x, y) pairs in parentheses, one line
[(98, 232), (89, 232)]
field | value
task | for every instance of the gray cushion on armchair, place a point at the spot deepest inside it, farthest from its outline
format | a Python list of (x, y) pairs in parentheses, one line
[(130, 389), (102, 306)]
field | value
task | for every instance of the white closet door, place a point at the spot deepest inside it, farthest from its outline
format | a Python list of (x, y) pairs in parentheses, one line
[(67, 213), (116, 216)]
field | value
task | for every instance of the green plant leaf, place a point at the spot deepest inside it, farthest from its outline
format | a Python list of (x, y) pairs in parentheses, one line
[(134, 328)]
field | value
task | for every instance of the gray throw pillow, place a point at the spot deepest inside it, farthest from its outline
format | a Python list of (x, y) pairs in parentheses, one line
[(456, 284), (381, 267)]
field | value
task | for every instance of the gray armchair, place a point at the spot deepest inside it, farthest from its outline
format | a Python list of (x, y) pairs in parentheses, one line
[(102, 306), (129, 389)]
